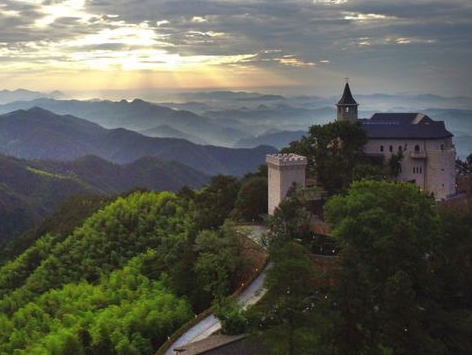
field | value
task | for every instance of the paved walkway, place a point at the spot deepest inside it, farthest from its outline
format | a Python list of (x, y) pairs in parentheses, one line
[(211, 324)]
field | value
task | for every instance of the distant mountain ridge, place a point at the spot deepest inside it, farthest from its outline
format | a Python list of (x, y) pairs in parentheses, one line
[(29, 190), (41, 134), (136, 115), (7, 96), (231, 119), (165, 131), (277, 139)]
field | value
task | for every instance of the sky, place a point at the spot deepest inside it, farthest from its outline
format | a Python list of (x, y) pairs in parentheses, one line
[(299, 46)]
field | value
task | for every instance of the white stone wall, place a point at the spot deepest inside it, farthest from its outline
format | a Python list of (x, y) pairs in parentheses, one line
[(283, 171), (432, 168)]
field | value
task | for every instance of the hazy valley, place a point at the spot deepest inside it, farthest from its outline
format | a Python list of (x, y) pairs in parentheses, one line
[(246, 120)]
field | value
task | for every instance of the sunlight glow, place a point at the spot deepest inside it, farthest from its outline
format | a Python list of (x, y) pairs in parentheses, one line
[(68, 8)]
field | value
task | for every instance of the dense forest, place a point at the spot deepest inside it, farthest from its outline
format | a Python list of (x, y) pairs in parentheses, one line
[(125, 273), (397, 280), (400, 282)]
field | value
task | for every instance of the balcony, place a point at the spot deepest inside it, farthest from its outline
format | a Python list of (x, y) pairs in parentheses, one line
[(418, 154)]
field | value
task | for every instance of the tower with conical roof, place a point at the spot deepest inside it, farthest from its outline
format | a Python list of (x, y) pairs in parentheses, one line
[(347, 106)]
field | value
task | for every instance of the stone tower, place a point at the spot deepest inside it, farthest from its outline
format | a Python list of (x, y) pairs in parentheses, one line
[(283, 171), (347, 106)]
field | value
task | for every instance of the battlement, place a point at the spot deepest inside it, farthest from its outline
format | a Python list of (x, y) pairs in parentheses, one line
[(290, 159)]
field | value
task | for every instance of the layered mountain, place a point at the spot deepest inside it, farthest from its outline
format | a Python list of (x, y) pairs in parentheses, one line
[(137, 115), (165, 131), (40, 134), (7, 96), (30, 190), (276, 139)]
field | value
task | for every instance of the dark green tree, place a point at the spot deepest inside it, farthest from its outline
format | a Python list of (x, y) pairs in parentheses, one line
[(387, 233), (394, 165), (332, 150), (290, 292), (233, 321), (218, 258), (251, 201), (215, 202), (291, 219)]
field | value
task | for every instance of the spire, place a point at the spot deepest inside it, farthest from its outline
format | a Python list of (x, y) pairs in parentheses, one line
[(347, 98), (347, 106)]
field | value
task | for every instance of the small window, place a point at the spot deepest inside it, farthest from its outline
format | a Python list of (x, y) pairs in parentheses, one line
[(381, 148), (442, 169), (414, 170), (400, 148), (442, 146), (417, 148), (346, 109), (391, 148)]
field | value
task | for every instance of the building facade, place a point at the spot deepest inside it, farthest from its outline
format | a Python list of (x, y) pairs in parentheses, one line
[(427, 152)]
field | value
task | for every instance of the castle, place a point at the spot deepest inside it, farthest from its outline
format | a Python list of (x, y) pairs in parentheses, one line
[(426, 146)]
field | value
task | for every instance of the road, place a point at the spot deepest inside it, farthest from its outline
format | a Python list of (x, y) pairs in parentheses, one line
[(248, 297)]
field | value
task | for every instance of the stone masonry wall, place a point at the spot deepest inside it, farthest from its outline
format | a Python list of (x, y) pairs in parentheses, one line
[(283, 171)]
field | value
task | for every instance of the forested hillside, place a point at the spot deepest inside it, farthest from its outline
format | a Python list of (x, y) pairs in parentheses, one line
[(126, 277), (30, 190)]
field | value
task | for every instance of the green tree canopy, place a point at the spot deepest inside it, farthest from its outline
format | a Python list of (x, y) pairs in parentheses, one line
[(284, 320), (387, 233), (251, 201), (332, 150), (215, 202)]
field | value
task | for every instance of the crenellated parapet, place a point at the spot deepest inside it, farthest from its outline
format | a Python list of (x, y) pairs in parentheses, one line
[(284, 170), (289, 159)]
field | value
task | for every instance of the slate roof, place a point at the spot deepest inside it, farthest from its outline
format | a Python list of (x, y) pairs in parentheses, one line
[(404, 126), (211, 343), (347, 98)]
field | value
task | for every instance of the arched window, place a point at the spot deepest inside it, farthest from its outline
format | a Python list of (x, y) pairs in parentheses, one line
[(417, 148), (381, 148)]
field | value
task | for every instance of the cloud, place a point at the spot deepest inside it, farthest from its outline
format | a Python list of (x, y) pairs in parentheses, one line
[(283, 38)]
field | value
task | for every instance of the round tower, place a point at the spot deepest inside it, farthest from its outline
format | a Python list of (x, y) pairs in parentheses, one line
[(347, 106)]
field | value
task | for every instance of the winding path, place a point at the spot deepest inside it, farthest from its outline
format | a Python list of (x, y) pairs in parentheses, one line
[(209, 325)]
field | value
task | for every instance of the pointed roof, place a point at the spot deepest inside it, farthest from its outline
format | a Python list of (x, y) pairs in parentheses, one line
[(347, 98)]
